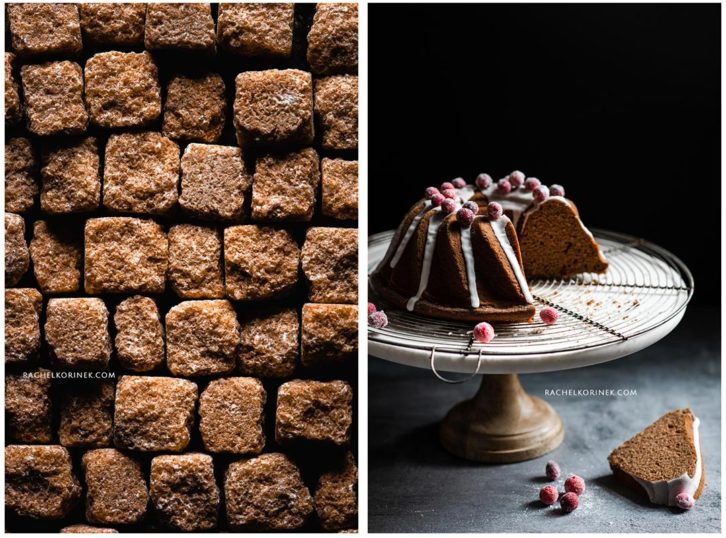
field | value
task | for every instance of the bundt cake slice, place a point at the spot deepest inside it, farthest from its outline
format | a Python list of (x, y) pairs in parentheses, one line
[(664, 460)]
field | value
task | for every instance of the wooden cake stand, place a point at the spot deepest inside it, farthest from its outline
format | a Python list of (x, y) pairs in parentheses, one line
[(641, 298)]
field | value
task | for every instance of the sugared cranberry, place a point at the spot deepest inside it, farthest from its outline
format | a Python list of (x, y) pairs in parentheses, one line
[(541, 193), (549, 315), (430, 192), (449, 206), (516, 178), (450, 193), (575, 484), (458, 183), (504, 186), (371, 308), (465, 217), (548, 495), (437, 199), (557, 190), (684, 501), (446, 185), (532, 183), (569, 502), (495, 211), (378, 319), (484, 333), (483, 181), (552, 470), (471, 206)]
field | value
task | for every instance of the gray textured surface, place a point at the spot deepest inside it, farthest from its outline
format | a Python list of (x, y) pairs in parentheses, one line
[(415, 486)]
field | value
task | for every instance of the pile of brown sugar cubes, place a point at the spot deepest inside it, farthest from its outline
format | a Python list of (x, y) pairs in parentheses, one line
[(181, 267)]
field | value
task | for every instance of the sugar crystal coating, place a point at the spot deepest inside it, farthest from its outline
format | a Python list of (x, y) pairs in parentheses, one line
[(340, 189), (201, 338), (141, 173), (194, 109), (259, 262), (154, 414), (231, 415), (139, 334), (333, 39), (336, 497), (39, 481), (329, 334), (274, 107), (336, 111), (195, 262), (86, 414), (314, 411), (87, 529), (54, 98), (56, 251), (17, 257), (269, 343), (113, 24), (21, 175), (76, 331), (125, 255), (23, 307), (213, 182), (284, 186), (266, 493), (179, 27), (44, 29), (184, 491), (71, 176), (256, 29), (122, 89), (116, 489), (28, 407), (13, 106), (330, 264)]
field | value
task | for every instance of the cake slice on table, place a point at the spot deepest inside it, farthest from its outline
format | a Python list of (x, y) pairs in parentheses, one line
[(664, 460)]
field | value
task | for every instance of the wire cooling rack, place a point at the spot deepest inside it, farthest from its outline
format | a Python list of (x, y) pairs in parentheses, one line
[(639, 300)]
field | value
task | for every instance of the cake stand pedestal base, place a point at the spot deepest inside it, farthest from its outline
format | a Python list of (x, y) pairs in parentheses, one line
[(501, 424)]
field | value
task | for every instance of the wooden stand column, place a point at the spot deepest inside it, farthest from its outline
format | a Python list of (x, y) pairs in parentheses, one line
[(501, 424)]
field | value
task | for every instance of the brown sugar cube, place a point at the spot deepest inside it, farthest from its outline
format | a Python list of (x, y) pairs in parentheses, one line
[(125, 255), (86, 414), (154, 414), (269, 344), (39, 481), (329, 334), (17, 257), (274, 107), (333, 39), (13, 106), (195, 262), (266, 493), (113, 24), (184, 491), (54, 98), (195, 108), (21, 172), (141, 173), (256, 29), (330, 264), (122, 89), (340, 189), (71, 174), (259, 262), (314, 411), (23, 307), (80, 528), (284, 186), (56, 251), (180, 27), (231, 415), (45, 29), (139, 334), (76, 331), (213, 182), (336, 497), (336, 111), (116, 487), (28, 407), (201, 338)]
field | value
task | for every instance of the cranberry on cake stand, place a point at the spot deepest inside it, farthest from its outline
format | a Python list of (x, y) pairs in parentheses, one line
[(639, 300)]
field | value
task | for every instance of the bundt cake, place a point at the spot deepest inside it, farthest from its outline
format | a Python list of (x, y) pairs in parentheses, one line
[(664, 460), (462, 252)]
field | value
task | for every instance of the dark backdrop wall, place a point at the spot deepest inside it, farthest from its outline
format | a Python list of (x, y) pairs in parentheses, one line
[(618, 103)]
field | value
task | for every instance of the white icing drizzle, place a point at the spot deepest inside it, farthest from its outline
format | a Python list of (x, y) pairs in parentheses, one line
[(500, 232), (468, 253), (665, 491), (409, 234), (516, 202), (433, 228)]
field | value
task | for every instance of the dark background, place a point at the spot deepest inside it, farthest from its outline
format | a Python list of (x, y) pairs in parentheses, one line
[(618, 103)]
